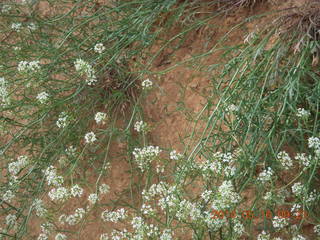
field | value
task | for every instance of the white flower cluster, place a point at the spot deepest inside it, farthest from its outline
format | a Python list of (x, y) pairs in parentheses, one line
[(316, 229), (298, 237), (166, 235), (16, 26), (147, 210), (144, 156), (90, 137), (60, 236), (59, 194), (29, 67), (43, 236), (263, 236), (42, 97), (63, 120), (8, 196), (295, 209), (207, 195), (71, 151), (302, 113), (303, 159), (104, 188), (47, 227), (93, 198), (143, 230), (297, 189), (99, 48), (73, 219), (100, 117), (4, 95), (279, 222), (232, 108), (314, 142), (147, 84), (84, 67), (11, 220), (141, 126), (285, 160), (219, 163), (32, 26), (266, 175), (5, 8), (52, 177), (186, 210), (38, 205), (174, 155), (155, 189), (226, 196), (76, 191), (15, 167), (114, 216)]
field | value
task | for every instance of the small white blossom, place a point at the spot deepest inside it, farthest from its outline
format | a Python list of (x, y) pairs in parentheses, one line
[(73, 219), (314, 142), (265, 175), (146, 84), (32, 26), (29, 67), (39, 207), (47, 228), (100, 117), (316, 229), (104, 236), (114, 216), (62, 121), (278, 222), (5, 8), (43, 236), (175, 156), (16, 27), (232, 108), (140, 126), (76, 191), (299, 237), (303, 159), (167, 234), (8, 196), (42, 97), (285, 160), (297, 189), (90, 137), (302, 113), (15, 167), (144, 156), (84, 67), (104, 188), (52, 177), (267, 196), (263, 236), (60, 236), (58, 194), (93, 198), (99, 48), (4, 95), (11, 220)]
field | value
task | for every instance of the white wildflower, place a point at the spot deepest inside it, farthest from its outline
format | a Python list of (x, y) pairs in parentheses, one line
[(99, 48), (266, 175), (316, 229), (4, 95), (71, 151), (278, 222), (267, 196), (73, 219), (238, 228), (47, 228), (147, 209), (285, 160), (16, 27), (93, 198), (52, 177), (60, 236), (42, 97), (104, 188), (32, 26), (144, 156), (58, 194), (90, 137), (15, 167), (5, 8), (76, 191), (39, 207), (11, 220), (62, 121), (312, 196), (100, 117), (43, 236), (206, 195), (141, 126), (175, 156), (29, 67), (114, 216), (302, 113), (84, 67), (232, 108), (299, 237), (166, 235), (314, 142), (104, 236), (146, 84), (303, 159), (297, 189), (263, 236), (8, 196)]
